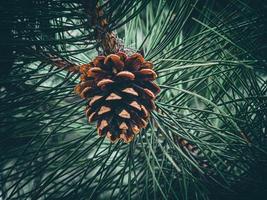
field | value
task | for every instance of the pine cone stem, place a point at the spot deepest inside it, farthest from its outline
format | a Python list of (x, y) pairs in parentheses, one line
[(105, 37)]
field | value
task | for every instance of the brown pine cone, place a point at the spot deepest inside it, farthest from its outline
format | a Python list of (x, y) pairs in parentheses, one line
[(120, 94)]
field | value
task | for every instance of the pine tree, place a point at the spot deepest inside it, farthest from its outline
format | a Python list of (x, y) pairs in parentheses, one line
[(133, 99)]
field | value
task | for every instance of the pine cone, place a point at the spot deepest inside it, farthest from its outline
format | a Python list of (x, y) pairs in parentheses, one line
[(120, 94)]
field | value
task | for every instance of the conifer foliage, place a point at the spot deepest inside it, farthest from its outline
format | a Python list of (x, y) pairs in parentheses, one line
[(177, 87)]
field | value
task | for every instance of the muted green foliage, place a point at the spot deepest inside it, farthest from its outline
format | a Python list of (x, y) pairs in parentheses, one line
[(211, 62)]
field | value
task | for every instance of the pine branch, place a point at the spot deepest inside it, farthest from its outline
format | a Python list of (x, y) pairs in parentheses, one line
[(207, 139)]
